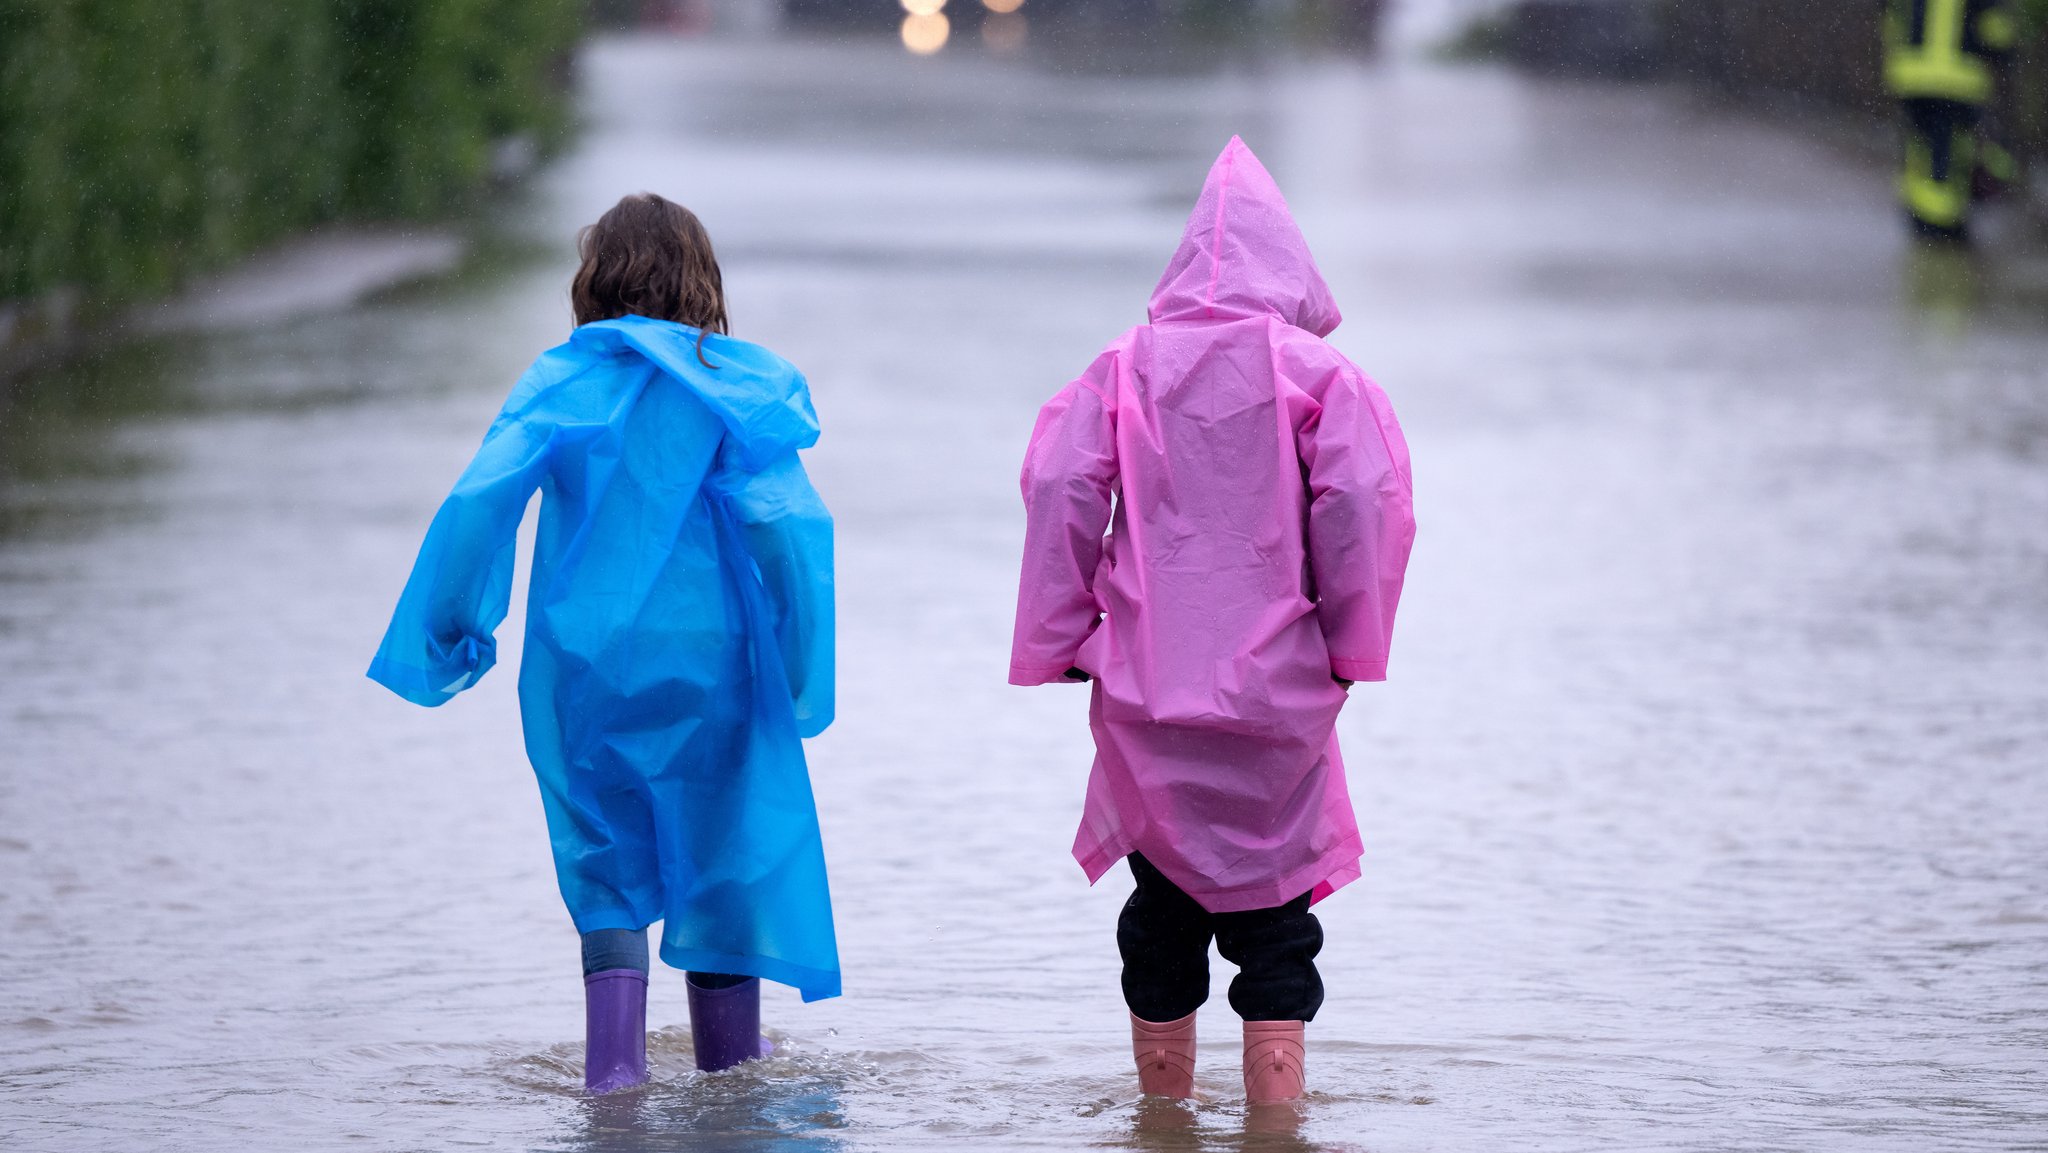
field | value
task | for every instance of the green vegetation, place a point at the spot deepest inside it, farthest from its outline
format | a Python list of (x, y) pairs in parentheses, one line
[(142, 140), (1486, 36)]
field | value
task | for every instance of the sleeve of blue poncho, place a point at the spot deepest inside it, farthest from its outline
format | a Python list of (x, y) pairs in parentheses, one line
[(788, 533), (441, 640)]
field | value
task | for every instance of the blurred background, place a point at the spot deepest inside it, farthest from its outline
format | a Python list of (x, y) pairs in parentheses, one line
[(145, 145), (1704, 805)]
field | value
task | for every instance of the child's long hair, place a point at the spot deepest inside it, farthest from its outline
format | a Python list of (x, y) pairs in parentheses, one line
[(651, 257)]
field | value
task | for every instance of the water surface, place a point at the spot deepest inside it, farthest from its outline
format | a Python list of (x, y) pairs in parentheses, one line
[(1703, 810)]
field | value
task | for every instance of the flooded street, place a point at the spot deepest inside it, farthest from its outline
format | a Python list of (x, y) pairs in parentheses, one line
[(1705, 807)]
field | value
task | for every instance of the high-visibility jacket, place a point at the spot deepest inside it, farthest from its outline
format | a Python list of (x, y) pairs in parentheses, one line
[(1945, 49)]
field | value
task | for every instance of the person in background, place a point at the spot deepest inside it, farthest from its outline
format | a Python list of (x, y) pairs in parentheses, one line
[(679, 637), (1941, 64), (1218, 521)]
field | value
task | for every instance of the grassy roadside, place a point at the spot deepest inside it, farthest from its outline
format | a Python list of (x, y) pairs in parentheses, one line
[(145, 141)]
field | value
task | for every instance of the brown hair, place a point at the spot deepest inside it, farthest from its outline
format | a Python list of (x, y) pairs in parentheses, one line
[(651, 257)]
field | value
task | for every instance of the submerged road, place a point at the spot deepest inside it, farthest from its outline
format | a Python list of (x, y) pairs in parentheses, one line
[(1703, 808)]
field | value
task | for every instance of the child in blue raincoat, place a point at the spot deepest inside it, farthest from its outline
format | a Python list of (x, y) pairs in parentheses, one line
[(678, 636)]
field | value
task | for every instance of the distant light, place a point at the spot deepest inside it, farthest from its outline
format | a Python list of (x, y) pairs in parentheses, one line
[(1003, 7), (925, 34), (926, 8), (1004, 33)]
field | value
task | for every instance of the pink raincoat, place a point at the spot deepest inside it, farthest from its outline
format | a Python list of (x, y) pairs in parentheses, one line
[(1255, 492)]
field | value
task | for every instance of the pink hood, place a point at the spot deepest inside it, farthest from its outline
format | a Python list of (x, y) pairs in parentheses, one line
[(1243, 256)]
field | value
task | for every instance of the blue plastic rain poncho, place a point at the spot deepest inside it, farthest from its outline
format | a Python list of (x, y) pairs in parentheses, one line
[(679, 637)]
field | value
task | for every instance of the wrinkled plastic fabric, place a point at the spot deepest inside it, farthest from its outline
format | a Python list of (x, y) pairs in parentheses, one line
[(679, 639), (1255, 492)]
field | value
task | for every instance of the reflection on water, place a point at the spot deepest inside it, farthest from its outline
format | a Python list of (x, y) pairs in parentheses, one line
[(79, 436), (1702, 809), (762, 1112), (926, 32), (70, 434), (1943, 285), (1161, 1126)]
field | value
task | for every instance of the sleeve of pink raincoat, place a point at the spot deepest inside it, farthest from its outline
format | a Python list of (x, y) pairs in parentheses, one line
[(1070, 474), (1361, 518)]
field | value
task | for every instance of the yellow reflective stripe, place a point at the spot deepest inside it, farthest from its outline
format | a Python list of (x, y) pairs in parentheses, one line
[(1996, 29), (1944, 24), (1939, 67), (1957, 78), (1938, 202), (2000, 163), (1931, 202)]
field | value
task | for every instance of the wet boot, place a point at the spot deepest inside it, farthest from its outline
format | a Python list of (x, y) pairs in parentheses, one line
[(725, 1024), (614, 1030), (1273, 1061), (1166, 1055)]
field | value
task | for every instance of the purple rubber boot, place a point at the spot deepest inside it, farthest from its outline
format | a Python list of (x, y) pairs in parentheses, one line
[(725, 1024), (614, 1030)]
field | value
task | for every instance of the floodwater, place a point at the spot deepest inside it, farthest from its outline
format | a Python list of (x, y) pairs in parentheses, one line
[(1706, 808)]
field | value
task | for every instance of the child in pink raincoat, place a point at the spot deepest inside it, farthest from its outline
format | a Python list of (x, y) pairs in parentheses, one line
[(1219, 518)]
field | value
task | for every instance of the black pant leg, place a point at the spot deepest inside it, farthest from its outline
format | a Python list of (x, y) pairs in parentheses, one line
[(1275, 952), (1952, 130), (1941, 159), (1163, 935)]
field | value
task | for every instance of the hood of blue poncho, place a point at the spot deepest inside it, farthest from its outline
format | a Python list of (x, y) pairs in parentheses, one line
[(763, 401)]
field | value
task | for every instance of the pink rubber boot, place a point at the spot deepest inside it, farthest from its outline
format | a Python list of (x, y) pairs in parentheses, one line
[(1273, 1061), (1166, 1055)]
